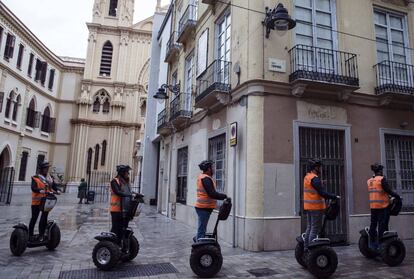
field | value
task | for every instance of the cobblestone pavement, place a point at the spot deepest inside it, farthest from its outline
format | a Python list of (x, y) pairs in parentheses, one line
[(162, 241)]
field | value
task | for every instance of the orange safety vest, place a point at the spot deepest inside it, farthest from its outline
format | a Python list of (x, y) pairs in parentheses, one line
[(311, 199), (203, 200), (115, 205), (378, 198), (37, 197)]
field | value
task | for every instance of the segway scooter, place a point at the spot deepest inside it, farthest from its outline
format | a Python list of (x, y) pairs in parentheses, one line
[(206, 258), (110, 250), (321, 260), (20, 240), (392, 250)]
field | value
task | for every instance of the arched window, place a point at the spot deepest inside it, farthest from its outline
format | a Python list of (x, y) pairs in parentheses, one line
[(106, 59), (8, 104), (96, 162), (96, 105), (31, 114), (103, 156), (89, 161), (16, 107), (106, 105), (46, 120), (113, 7)]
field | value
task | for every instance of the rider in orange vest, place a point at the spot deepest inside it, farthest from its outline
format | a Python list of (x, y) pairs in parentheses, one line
[(120, 200), (40, 186), (314, 200), (379, 191), (206, 197)]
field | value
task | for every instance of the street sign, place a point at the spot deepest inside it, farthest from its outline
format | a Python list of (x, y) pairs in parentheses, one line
[(233, 134)]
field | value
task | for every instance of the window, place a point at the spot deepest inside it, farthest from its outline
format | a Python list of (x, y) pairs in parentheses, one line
[(217, 153), (1, 35), (89, 161), (101, 98), (16, 108), (9, 49), (43, 73), (96, 105), (23, 166), (202, 52), (51, 78), (20, 56), (9, 102), (399, 155), (113, 7), (188, 87), (46, 121), (32, 117), (96, 161), (182, 172), (106, 59), (105, 106), (1, 101), (40, 159), (224, 47), (103, 156), (38, 69), (30, 67)]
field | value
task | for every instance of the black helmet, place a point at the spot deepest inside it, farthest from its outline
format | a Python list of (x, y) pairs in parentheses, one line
[(204, 165), (377, 167), (44, 164), (123, 168), (313, 163)]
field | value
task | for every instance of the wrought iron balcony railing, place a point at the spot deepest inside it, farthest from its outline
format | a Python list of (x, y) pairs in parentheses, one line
[(394, 77), (217, 77), (162, 118), (172, 46), (188, 19), (324, 65), (181, 106)]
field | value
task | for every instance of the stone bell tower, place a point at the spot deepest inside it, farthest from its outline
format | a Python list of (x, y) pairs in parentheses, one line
[(113, 12)]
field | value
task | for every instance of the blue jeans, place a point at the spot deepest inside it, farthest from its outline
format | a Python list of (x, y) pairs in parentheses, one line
[(203, 217), (314, 224)]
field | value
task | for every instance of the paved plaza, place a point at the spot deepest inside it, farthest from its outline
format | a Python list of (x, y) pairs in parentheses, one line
[(163, 241)]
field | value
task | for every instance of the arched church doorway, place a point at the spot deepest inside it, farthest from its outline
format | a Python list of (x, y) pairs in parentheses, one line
[(6, 176)]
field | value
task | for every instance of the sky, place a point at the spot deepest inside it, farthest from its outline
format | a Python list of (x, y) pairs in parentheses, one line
[(60, 24)]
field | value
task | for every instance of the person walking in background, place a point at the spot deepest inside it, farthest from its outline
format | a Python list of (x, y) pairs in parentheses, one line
[(82, 191)]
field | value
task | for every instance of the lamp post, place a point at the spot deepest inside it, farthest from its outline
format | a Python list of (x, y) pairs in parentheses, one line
[(278, 19)]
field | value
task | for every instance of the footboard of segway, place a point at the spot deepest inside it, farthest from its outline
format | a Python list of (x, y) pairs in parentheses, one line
[(388, 235), (205, 241), (108, 236), (319, 242)]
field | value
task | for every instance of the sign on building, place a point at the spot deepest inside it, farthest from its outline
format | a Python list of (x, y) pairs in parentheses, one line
[(233, 134)]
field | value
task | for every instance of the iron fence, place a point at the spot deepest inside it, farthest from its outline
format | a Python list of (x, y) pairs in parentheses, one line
[(394, 77), (172, 45), (217, 77), (322, 64), (6, 184), (181, 106), (99, 182), (162, 118), (189, 18)]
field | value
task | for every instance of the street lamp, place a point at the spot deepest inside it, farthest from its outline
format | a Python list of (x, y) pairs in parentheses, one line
[(162, 91), (279, 19)]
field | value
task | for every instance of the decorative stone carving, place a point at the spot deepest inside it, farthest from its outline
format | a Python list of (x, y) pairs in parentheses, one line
[(298, 90), (385, 101), (124, 38), (98, 7), (92, 37), (344, 95), (127, 11), (223, 98)]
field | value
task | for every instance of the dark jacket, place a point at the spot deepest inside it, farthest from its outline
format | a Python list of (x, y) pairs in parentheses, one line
[(211, 191), (317, 185)]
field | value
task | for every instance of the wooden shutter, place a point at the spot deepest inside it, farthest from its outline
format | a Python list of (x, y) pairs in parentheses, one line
[(52, 125), (23, 165), (20, 56), (38, 69), (202, 52), (44, 72), (29, 69), (36, 119), (1, 101), (51, 78)]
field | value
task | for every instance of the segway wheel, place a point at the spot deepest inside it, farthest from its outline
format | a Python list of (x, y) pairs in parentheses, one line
[(206, 261), (364, 248), (54, 238), (300, 254), (393, 252), (322, 261), (18, 241), (133, 249), (106, 255)]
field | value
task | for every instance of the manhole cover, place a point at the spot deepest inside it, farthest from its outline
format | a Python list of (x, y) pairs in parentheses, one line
[(122, 272), (261, 272)]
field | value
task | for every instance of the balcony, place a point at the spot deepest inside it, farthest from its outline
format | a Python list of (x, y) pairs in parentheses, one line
[(323, 70), (181, 109), (187, 24), (173, 48), (214, 85), (210, 2), (162, 127), (395, 80)]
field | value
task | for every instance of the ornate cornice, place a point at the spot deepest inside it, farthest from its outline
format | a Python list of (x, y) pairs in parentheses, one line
[(113, 123)]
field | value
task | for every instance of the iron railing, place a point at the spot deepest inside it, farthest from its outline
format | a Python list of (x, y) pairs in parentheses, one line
[(394, 77), (322, 64), (162, 118), (181, 105), (6, 184), (217, 77), (172, 45), (189, 18)]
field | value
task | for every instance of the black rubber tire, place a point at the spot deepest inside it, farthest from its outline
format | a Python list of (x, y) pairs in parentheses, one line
[(398, 258), (115, 255), (318, 271), (364, 249), (18, 241), (217, 260), (300, 254), (54, 238), (133, 249)]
